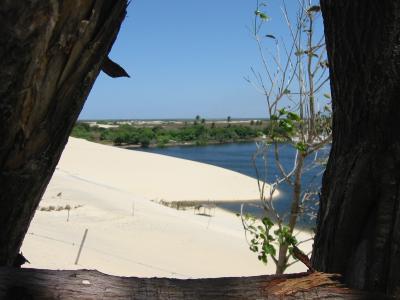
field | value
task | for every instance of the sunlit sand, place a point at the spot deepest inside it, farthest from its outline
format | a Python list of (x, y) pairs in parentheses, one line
[(114, 193)]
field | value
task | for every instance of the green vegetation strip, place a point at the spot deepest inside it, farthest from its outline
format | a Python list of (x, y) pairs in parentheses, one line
[(194, 133)]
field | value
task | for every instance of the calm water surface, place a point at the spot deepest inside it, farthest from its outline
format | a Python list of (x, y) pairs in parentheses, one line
[(238, 157)]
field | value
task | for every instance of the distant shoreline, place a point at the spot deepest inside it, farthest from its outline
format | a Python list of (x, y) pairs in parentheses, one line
[(187, 144), (169, 145), (198, 132)]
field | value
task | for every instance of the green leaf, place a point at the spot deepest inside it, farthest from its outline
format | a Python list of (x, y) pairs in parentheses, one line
[(302, 147), (270, 238), (286, 91), (263, 258), (269, 249), (286, 125), (274, 118), (263, 16), (267, 222), (282, 112), (292, 240), (293, 116), (327, 96), (254, 248)]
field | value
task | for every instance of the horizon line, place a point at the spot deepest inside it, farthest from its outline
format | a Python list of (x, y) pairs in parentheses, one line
[(171, 119)]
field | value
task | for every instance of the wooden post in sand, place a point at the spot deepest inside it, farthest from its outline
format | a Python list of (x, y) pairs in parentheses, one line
[(81, 246)]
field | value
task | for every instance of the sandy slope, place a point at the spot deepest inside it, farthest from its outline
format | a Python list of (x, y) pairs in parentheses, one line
[(154, 176), (128, 233)]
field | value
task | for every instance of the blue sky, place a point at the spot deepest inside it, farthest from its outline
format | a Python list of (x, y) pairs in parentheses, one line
[(185, 58)]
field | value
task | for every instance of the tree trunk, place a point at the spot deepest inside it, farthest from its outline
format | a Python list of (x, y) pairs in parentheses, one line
[(281, 264), (51, 53), (294, 213), (358, 227), (83, 284)]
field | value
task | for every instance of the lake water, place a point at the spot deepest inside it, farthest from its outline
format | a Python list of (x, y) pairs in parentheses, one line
[(238, 157)]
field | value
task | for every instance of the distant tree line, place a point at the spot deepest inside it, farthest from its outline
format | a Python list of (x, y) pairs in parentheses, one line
[(197, 133)]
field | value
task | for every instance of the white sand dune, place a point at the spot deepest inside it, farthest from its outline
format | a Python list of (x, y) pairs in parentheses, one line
[(110, 192), (155, 176)]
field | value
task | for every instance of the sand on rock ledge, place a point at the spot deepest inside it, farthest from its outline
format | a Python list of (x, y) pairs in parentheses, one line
[(109, 191)]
